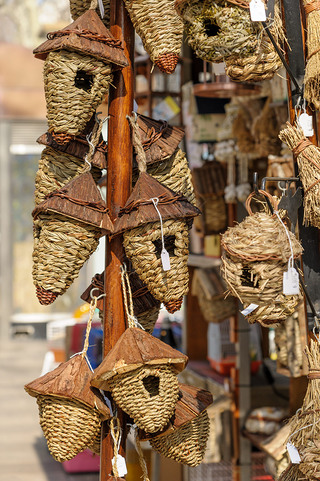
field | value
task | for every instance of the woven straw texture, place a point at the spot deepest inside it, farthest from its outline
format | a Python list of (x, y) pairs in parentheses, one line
[(292, 473), (288, 345), (214, 214), (69, 426), (308, 158), (61, 247), (148, 395), (160, 29), (140, 248), (216, 309), (55, 170), (78, 7), (312, 78), (174, 173), (148, 319), (187, 444), (69, 108)]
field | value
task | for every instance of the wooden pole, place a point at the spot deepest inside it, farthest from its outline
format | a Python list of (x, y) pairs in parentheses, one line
[(118, 189)]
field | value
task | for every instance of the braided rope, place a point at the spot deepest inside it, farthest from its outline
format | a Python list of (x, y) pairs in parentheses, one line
[(115, 430), (142, 460)]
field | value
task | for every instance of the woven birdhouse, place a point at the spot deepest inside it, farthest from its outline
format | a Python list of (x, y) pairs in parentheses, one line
[(146, 307), (165, 161), (185, 438), (222, 31), (141, 373), (255, 258), (209, 182), (67, 228), (79, 60), (210, 290), (150, 231), (160, 29), (70, 410)]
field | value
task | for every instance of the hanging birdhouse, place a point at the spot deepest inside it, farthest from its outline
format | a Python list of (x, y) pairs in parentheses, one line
[(256, 256), (155, 234), (209, 182), (79, 7), (67, 228), (165, 161), (186, 437), (210, 290), (70, 410), (79, 60), (160, 29), (141, 374)]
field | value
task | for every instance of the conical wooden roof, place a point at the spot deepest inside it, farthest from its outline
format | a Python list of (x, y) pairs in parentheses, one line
[(80, 199), (159, 139), (70, 380), (86, 35), (191, 403), (136, 348), (139, 209)]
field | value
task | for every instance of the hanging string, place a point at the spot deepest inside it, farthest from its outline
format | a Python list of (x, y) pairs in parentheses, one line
[(138, 147), (92, 139), (115, 431), (142, 460), (127, 299), (291, 258), (92, 308)]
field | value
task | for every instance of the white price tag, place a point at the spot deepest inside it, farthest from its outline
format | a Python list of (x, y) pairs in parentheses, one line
[(104, 131), (290, 282), (257, 11), (101, 8), (249, 309), (165, 259), (121, 465), (293, 454), (305, 122)]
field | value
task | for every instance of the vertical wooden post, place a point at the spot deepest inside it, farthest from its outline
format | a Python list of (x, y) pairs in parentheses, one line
[(118, 190)]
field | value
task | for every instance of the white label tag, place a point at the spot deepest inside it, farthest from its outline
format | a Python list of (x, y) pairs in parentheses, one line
[(305, 122), (257, 11), (165, 259), (290, 282), (293, 454), (249, 309), (104, 131), (121, 465), (101, 8)]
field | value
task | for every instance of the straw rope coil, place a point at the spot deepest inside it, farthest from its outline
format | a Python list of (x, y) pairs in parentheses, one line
[(148, 395), (186, 444), (141, 250), (69, 108), (305, 424), (312, 77), (79, 7), (160, 29), (69, 426), (308, 159), (61, 247)]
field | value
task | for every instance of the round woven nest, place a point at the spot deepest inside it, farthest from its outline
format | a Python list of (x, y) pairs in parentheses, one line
[(217, 30), (187, 444), (68, 426), (148, 395), (143, 248), (74, 86)]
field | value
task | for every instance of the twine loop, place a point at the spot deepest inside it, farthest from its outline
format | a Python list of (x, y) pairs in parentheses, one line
[(137, 144), (92, 139), (142, 460), (115, 431), (84, 33), (92, 308), (127, 299), (291, 258), (261, 192)]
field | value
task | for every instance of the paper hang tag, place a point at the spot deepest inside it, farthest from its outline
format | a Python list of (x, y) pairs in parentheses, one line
[(101, 8), (165, 259), (249, 309), (121, 465), (293, 454), (305, 122), (257, 11), (291, 282), (104, 131)]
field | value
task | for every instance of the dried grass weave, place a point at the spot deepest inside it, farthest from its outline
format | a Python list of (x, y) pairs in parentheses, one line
[(187, 444), (288, 345), (308, 158), (160, 29), (139, 244), (216, 309), (214, 214), (148, 319), (79, 7), (55, 170), (148, 395), (69, 108), (69, 426), (312, 77), (292, 473), (61, 247)]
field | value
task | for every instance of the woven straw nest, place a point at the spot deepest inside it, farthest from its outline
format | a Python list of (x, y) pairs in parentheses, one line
[(256, 254), (141, 374), (70, 412), (160, 29)]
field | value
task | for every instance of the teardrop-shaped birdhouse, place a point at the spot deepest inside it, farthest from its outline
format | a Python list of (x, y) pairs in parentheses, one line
[(141, 371)]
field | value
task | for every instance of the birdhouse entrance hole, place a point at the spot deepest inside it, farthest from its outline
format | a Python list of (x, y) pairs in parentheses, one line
[(211, 29), (83, 80), (169, 242), (247, 278), (151, 384)]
